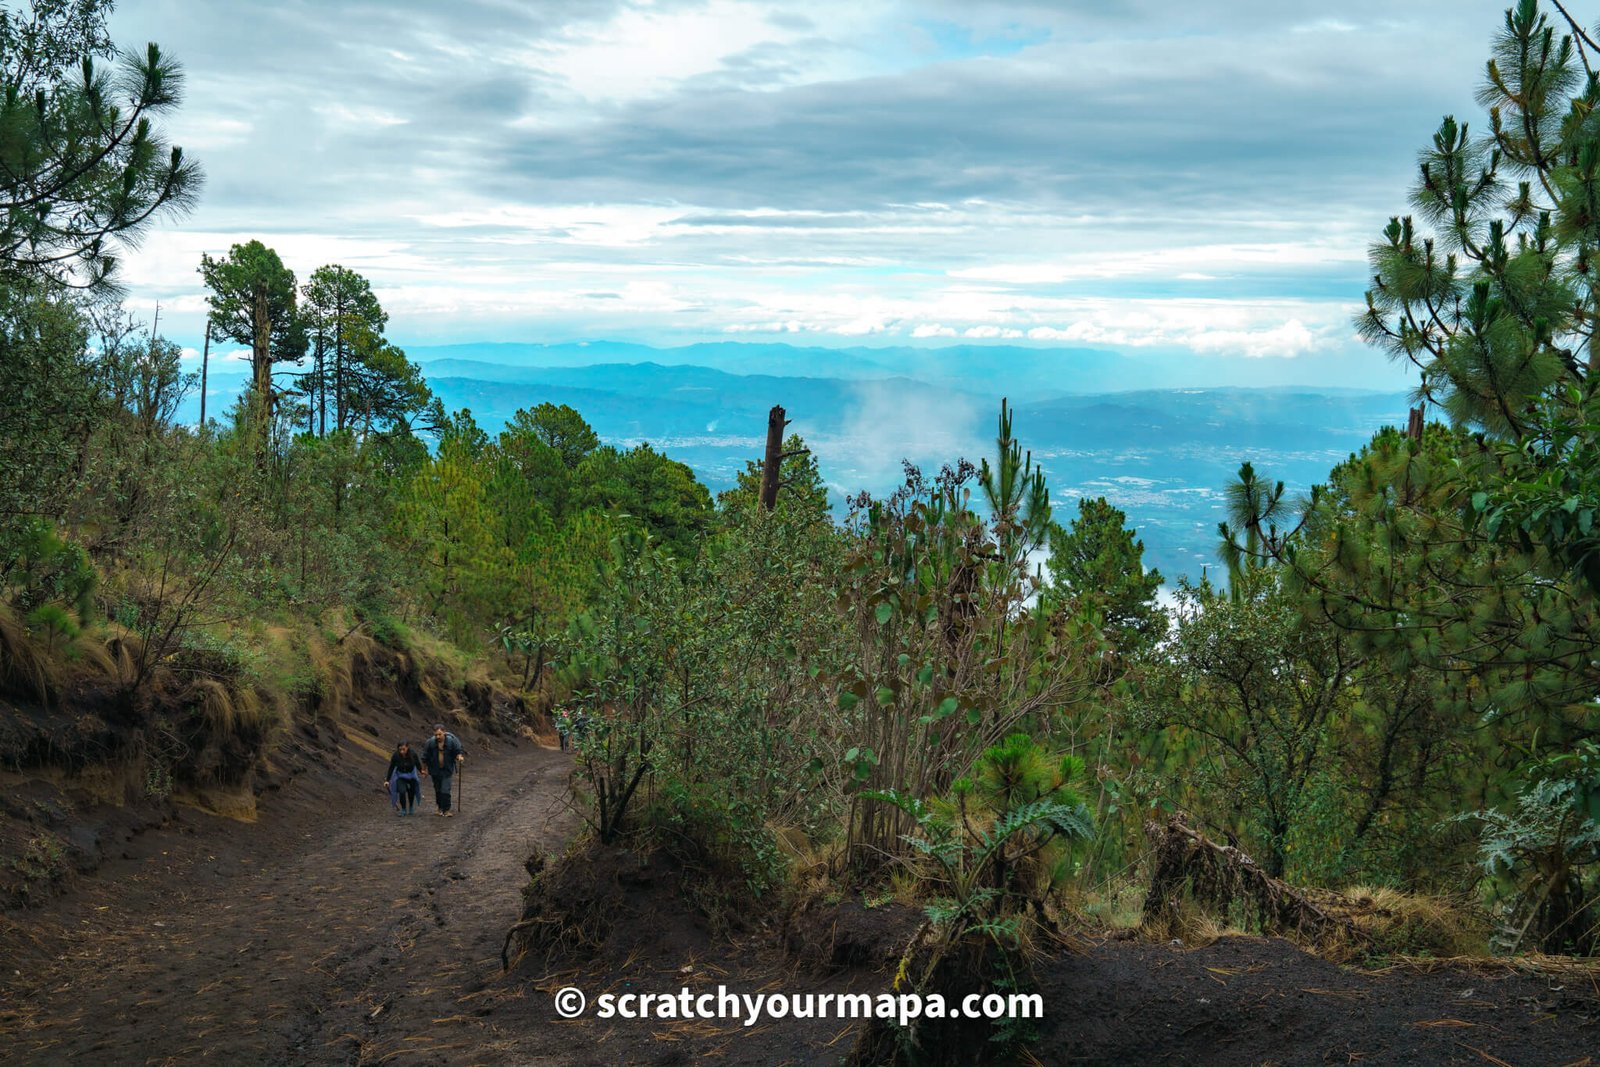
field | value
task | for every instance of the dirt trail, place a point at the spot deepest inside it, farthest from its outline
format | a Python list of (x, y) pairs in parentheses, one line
[(360, 938)]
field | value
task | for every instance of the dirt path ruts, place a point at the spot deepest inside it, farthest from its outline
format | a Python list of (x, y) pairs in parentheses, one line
[(363, 943)]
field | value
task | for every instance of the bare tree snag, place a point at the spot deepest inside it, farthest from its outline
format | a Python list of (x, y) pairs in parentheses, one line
[(772, 462)]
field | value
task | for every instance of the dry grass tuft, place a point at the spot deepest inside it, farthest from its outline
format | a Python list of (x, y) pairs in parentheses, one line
[(1396, 923), (1585, 968), (25, 667), (236, 804)]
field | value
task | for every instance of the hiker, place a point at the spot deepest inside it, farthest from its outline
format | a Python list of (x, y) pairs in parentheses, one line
[(440, 757), (564, 727), (404, 784)]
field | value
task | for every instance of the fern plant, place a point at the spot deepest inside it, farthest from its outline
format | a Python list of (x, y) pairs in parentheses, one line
[(990, 842), (1542, 851)]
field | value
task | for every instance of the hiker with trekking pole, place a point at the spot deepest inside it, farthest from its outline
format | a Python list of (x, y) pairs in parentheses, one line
[(441, 758)]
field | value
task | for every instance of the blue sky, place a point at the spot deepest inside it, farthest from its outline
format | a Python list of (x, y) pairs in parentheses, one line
[(1127, 174)]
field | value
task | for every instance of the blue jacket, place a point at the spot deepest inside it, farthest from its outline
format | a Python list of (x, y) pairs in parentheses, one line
[(430, 755)]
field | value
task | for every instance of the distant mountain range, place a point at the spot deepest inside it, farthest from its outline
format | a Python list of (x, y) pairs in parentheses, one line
[(994, 368), (1096, 421)]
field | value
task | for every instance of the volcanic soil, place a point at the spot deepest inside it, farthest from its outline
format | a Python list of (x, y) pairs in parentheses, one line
[(329, 931)]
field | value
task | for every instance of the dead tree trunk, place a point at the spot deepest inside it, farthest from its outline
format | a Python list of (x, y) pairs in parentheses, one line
[(1414, 424), (772, 462)]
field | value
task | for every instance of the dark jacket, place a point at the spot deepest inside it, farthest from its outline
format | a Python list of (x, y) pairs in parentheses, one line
[(431, 756), (407, 764)]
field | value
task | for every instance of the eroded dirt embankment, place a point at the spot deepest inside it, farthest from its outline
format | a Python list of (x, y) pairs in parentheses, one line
[(87, 763)]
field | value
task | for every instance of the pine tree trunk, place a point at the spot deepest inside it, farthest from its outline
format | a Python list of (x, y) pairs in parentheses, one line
[(338, 362), (261, 355), (205, 366), (322, 390)]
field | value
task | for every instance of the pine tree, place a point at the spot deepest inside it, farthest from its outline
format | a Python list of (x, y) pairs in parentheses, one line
[(1490, 289), (345, 323), (83, 164), (1096, 565), (448, 517), (1017, 495), (652, 489), (558, 427), (252, 302)]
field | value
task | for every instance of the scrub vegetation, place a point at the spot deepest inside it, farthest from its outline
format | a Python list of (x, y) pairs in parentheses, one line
[(1375, 732)]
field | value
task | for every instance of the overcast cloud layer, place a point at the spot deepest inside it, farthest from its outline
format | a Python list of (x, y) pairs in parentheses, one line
[(1123, 173)]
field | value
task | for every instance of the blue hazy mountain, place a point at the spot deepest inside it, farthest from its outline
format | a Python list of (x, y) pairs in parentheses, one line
[(1157, 436), (988, 368)]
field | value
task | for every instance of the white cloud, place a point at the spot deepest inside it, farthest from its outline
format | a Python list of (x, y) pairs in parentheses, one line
[(1203, 261), (1211, 327), (863, 327), (644, 50), (207, 133), (352, 115), (885, 424), (1325, 26), (1290, 339), (700, 168)]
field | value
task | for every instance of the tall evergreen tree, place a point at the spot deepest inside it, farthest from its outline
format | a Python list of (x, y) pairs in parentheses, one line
[(1016, 493), (654, 490), (541, 468), (1490, 291), (252, 302), (447, 517), (83, 163), (385, 391), (345, 322)]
